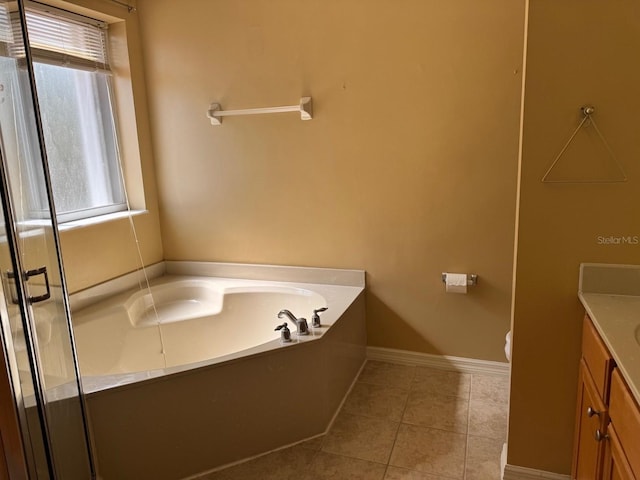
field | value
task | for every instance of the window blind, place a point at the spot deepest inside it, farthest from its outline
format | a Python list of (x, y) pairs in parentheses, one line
[(60, 38), (6, 34)]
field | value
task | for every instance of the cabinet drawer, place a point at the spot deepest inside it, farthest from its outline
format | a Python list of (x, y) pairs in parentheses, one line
[(625, 415), (597, 358)]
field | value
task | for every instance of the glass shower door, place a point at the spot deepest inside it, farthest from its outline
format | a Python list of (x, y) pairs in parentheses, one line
[(36, 333)]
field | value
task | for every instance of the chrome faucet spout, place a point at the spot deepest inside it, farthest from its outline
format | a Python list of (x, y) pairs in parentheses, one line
[(300, 323), (288, 314)]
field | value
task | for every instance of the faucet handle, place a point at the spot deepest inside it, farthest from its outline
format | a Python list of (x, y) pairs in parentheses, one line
[(285, 335), (315, 319)]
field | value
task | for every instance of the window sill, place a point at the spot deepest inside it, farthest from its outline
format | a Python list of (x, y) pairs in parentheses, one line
[(109, 217), (36, 228)]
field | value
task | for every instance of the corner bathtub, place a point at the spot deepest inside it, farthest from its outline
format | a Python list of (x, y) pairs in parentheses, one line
[(198, 378)]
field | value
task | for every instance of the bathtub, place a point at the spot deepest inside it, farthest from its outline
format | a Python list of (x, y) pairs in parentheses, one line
[(199, 378)]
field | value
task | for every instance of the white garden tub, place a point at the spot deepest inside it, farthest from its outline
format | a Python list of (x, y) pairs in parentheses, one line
[(182, 320), (193, 369)]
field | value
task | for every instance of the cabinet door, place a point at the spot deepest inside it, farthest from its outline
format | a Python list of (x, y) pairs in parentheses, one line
[(616, 466), (625, 414), (591, 419), (597, 358)]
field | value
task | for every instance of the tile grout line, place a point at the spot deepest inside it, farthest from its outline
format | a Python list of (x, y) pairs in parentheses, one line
[(384, 385), (316, 454), (466, 398), (404, 408), (466, 442)]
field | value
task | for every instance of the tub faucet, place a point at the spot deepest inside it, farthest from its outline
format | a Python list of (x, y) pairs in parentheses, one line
[(300, 323)]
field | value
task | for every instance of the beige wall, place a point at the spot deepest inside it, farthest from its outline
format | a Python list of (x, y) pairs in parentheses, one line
[(408, 168), (101, 252), (578, 52)]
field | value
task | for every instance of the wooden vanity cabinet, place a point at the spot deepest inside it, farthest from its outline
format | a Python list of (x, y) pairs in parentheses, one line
[(607, 435), (591, 418), (615, 465), (625, 422), (598, 359), (591, 411)]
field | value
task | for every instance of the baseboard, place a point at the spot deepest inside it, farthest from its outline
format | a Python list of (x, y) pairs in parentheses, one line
[(443, 362), (513, 472)]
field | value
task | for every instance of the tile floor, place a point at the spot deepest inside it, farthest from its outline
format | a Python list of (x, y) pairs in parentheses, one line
[(400, 423)]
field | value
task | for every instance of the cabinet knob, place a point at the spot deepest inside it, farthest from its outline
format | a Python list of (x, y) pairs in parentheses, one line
[(591, 412), (599, 436)]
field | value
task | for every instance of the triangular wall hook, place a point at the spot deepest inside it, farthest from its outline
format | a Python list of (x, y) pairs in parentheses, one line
[(587, 119)]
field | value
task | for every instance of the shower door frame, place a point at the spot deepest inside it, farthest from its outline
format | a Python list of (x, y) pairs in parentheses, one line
[(13, 426), (13, 463)]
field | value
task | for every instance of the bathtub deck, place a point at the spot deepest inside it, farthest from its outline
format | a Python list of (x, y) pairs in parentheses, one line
[(173, 423)]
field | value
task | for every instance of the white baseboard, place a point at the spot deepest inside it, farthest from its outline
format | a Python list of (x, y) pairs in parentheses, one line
[(503, 460), (513, 472), (443, 362)]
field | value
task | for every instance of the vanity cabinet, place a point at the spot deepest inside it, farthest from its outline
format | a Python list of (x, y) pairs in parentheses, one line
[(615, 465), (625, 424), (607, 434), (591, 412)]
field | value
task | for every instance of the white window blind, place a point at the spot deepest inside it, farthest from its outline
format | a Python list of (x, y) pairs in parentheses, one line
[(6, 34), (63, 39), (73, 83)]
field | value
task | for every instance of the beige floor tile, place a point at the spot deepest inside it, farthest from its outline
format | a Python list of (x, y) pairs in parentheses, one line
[(289, 464), (381, 373), (395, 473), (483, 458), (361, 437), (443, 382), (378, 401), (490, 388), (335, 467), (488, 420), (437, 411), (427, 450)]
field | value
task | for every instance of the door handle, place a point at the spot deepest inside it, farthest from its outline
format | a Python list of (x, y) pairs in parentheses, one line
[(34, 273)]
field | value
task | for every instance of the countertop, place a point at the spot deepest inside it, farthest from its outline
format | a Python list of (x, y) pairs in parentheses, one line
[(611, 296)]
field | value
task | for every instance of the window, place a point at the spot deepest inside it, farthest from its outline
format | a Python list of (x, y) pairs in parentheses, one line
[(73, 83)]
